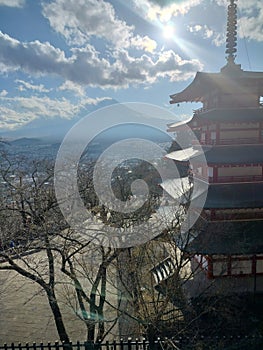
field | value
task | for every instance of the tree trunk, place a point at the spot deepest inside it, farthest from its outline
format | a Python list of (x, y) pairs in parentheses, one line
[(57, 317), (91, 328)]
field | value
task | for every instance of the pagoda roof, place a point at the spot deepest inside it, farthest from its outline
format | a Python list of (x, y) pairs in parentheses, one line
[(234, 196), (231, 115), (220, 155), (186, 154), (226, 237), (226, 115), (231, 79), (215, 196), (235, 154)]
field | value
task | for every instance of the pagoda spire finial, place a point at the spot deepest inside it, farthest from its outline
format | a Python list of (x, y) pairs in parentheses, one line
[(231, 35)]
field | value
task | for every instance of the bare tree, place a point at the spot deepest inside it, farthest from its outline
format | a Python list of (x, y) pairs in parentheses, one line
[(31, 220), (37, 243)]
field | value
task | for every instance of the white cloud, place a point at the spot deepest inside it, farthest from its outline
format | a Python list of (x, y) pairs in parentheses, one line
[(143, 43), (26, 85), (78, 20), (86, 67), (154, 10), (250, 24), (194, 29), (146, 69), (250, 18), (12, 3), (11, 119), (219, 39), (18, 111), (70, 86), (205, 32), (3, 93), (34, 57)]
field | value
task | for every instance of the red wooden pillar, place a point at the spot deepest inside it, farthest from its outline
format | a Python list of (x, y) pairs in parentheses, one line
[(215, 173), (217, 133), (254, 265), (209, 267), (229, 262)]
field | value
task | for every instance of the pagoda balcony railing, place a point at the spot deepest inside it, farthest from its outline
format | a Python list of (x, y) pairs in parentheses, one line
[(247, 140), (230, 179), (217, 215), (199, 110), (203, 109), (228, 141), (240, 178)]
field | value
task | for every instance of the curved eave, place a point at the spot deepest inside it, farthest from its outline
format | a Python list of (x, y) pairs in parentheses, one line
[(233, 114), (192, 93), (239, 81), (186, 154), (235, 154), (234, 196), (180, 124)]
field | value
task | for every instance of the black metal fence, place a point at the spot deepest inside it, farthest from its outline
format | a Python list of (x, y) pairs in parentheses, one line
[(230, 342), (106, 345)]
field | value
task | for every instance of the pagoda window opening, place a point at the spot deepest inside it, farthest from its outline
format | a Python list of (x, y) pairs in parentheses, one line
[(220, 268), (203, 137), (243, 265), (239, 126), (213, 136), (245, 136), (259, 264), (210, 172), (239, 173)]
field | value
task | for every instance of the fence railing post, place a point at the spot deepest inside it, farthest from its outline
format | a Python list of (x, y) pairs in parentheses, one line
[(89, 345), (67, 346), (129, 344), (121, 344), (57, 345)]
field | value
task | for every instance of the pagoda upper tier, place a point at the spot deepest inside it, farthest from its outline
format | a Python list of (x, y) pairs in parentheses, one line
[(232, 87)]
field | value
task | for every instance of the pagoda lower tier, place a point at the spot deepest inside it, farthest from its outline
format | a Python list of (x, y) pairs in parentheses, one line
[(226, 240), (226, 247), (223, 164), (234, 196)]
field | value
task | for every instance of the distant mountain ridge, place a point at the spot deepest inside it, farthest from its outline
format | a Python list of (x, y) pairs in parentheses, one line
[(54, 130), (24, 141)]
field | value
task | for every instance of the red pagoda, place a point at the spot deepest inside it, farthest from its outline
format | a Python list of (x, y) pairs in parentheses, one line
[(226, 244)]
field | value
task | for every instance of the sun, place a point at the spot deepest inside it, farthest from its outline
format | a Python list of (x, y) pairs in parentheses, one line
[(168, 31)]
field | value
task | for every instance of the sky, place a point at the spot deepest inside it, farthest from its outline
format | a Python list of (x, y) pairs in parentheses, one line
[(60, 59)]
